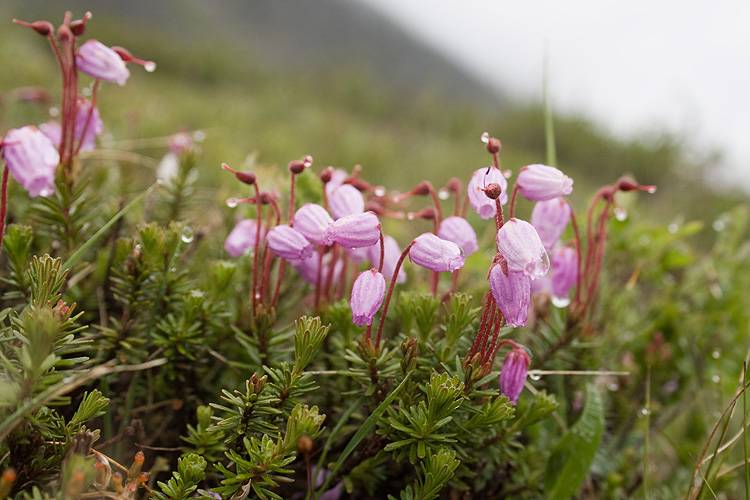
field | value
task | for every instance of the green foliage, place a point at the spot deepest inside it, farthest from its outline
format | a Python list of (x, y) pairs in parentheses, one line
[(185, 480)]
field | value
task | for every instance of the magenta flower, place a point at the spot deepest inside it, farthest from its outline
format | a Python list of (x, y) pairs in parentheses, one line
[(32, 159), (542, 183), (86, 129), (392, 254), (436, 254), (53, 131), (550, 218), (358, 230), (486, 207), (242, 237), (288, 243), (99, 61), (459, 231), (520, 245), (513, 373), (564, 271), (368, 292), (314, 222), (512, 294), (346, 200)]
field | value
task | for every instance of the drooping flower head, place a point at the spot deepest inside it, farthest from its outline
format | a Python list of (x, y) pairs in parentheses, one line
[(564, 271), (88, 124), (486, 207), (368, 292), (512, 294), (459, 231), (288, 243), (354, 231), (436, 254), (32, 159), (314, 222), (541, 183), (520, 245), (101, 62), (242, 237), (346, 200), (550, 218), (513, 373)]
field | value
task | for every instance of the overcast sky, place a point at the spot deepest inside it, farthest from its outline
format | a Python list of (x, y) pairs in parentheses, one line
[(635, 67)]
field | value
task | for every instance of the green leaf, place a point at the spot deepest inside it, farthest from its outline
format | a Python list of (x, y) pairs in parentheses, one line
[(570, 460)]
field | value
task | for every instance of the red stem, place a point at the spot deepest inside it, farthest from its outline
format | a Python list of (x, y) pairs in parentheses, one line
[(390, 292), (513, 200), (578, 249), (482, 324)]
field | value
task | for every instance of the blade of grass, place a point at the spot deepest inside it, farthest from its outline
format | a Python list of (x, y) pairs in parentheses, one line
[(73, 259)]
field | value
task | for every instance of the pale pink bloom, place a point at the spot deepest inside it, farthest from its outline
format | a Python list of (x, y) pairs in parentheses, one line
[(243, 237), (368, 292), (520, 245), (314, 222), (99, 61), (459, 231), (392, 254), (32, 159), (541, 183), (358, 230), (513, 374), (346, 200), (288, 243), (512, 294), (486, 207), (436, 254), (550, 218), (564, 271)]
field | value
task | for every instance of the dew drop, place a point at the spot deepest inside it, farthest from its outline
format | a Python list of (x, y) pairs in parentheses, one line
[(443, 194), (67, 380), (485, 137), (410, 216), (54, 112), (173, 270), (150, 66), (507, 173), (379, 191), (187, 235), (560, 302), (672, 228), (160, 181), (716, 354), (308, 161), (46, 192), (138, 247), (621, 214), (534, 376), (86, 91), (718, 225), (612, 386), (651, 190), (645, 412), (715, 379), (232, 202), (199, 136)]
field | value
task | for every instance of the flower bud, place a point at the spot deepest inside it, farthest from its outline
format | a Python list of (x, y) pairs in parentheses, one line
[(368, 292), (541, 183), (459, 231), (436, 254), (486, 207), (314, 222), (32, 159), (99, 61), (493, 145), (326, 175), (346, 200), (520, 245), (358, 230), (245, 176), (512, 294), (564, 271), (513, 373), (288, 243), (242, 237), (550, 218), (78, 27), (44, 28)]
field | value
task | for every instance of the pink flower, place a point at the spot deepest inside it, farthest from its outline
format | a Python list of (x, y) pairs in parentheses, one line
[(542, 183), (288, 243), (519, 244), (436, 254), (242, 237), (392, 254), (86, 129), (564, 271), (314, 222), (512, 294), (32, 159), (513, 373), (99, 61), (486, 207), (308, 269), (53, 131), (358, 230), (550, 219), (338, 176), (459, 231), (346, 200), (368, 292)]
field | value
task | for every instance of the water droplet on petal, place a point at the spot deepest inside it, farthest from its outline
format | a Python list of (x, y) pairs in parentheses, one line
[(672, 228), (54, 111), (560, 302), (232, 202), (443, 194), (150, 66), (621, 214), (715, 379), (718, 225), (485, 137), (534, 375), (651, 190), (379, 191), (187, 235)]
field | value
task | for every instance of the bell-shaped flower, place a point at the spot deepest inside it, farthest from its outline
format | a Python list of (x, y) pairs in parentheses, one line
[(99, 61), (520, 245), (338, 177), (436, 254), (288, 243), (53, 131), (32, 159), (390, 259), (459, 231), (354, 231), (512, 294), (308, 269), (242, 237), (542, 183), (88, 125), (314, 222), (486, 207), (346, 200), (513, 373), (368, 292), (564, 271), (550, 218)]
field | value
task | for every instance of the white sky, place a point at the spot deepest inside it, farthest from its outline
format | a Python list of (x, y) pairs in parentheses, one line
[(635, 66)]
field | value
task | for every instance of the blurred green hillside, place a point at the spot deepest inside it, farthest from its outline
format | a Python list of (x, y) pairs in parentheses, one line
[(342, 116)]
